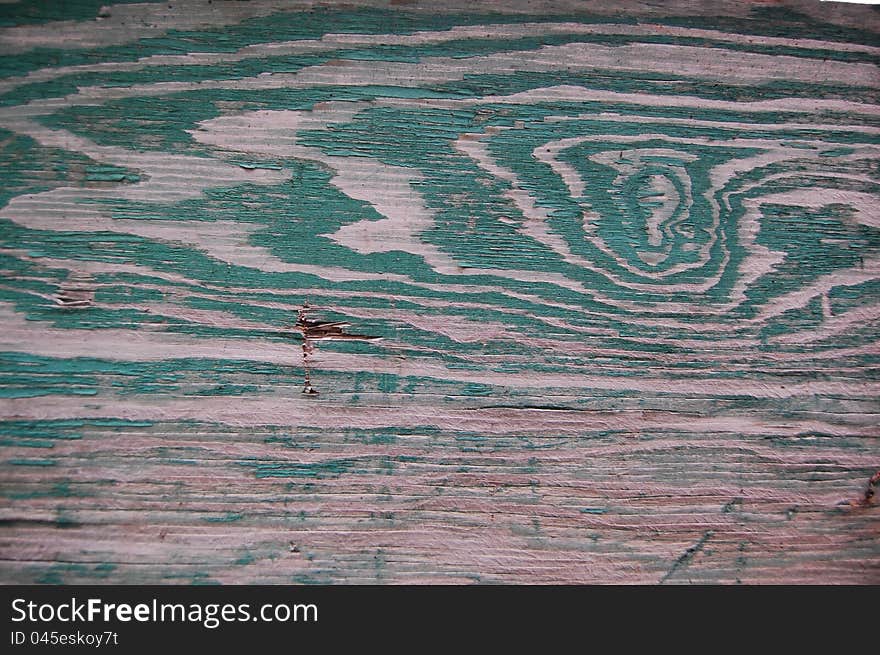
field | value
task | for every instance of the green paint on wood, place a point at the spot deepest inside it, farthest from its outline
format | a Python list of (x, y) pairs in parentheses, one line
[(629, 289)]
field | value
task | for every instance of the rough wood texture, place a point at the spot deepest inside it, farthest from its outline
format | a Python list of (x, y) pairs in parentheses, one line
[(624, 259)]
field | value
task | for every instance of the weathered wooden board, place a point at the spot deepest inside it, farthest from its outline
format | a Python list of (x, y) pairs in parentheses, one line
[(624, 259)]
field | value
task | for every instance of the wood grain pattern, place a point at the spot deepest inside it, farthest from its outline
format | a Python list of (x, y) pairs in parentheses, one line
[(623, 258)]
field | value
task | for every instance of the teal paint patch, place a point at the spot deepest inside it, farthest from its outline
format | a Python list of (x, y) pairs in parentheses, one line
[(479, 84), (148, 123), (38, 12), (71, 573), (837, 152), (817, 242), (228, 517), (244, 560), (388, 383), (477, 390), (778, 21), (31, 461), (110, 174), (31, 168), (319, 470), (64, 489)]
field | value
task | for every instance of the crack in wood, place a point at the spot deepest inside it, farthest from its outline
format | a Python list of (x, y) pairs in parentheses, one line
[(313, 331), (688, 555)]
